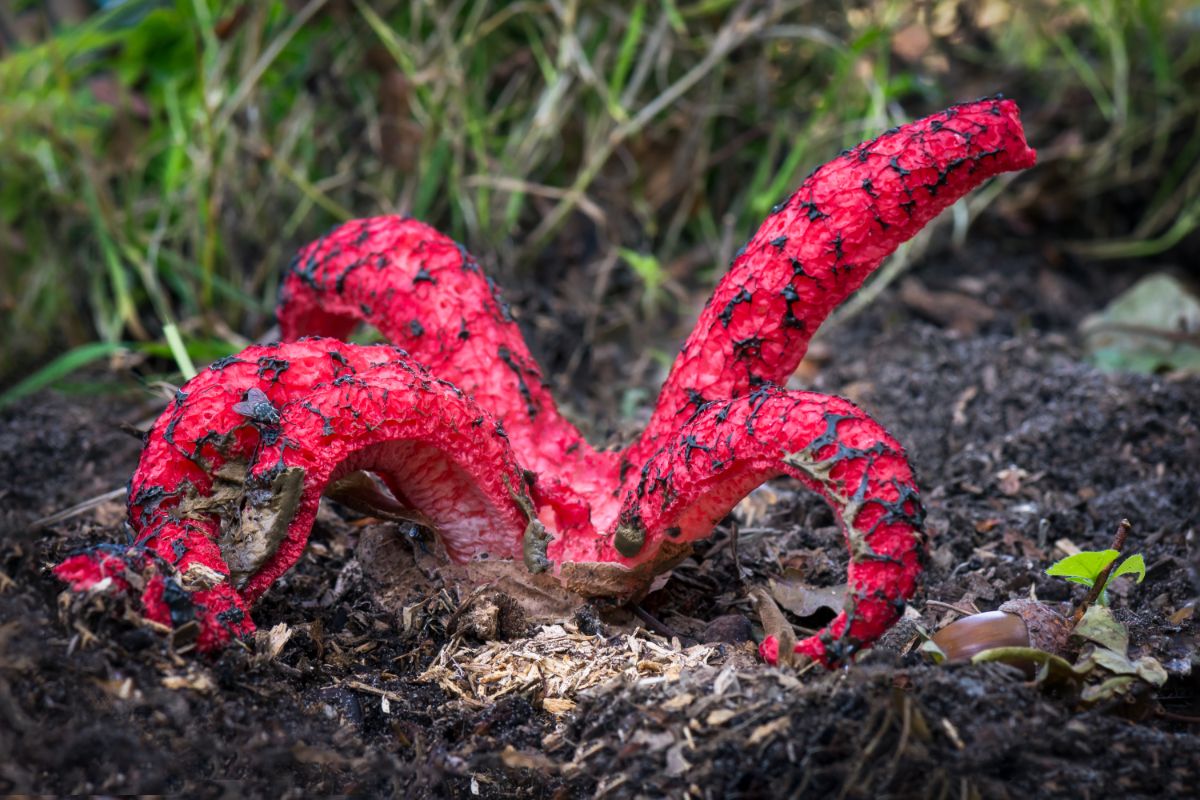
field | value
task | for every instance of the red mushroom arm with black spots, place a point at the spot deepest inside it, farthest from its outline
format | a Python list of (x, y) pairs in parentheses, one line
[(436, 450), (831, 446), (190, 477), (817, 247), (425, 293)]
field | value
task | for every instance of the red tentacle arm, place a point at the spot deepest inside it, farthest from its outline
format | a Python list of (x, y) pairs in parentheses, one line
[(139, 574), (818, 247), (190, 479), (436, 450), (424, 292), (726, 449)]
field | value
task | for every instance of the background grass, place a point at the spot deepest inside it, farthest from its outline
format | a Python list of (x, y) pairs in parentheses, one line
[(160, 161)]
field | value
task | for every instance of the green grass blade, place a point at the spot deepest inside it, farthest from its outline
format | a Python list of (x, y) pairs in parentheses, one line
[(179, 351), (431, 179), (625, 55), (1086, 74), (60, 367)]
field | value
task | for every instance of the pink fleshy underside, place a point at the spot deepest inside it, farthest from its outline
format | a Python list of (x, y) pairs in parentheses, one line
[(457, 440)]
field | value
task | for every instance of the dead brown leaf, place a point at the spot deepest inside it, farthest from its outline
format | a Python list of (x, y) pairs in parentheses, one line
[(803, 599), (954, 310), (1022, 545)]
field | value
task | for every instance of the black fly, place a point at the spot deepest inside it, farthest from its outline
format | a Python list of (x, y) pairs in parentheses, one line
[(257, 408)]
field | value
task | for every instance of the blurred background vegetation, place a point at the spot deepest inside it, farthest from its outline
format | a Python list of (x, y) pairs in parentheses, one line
[(160, 161)]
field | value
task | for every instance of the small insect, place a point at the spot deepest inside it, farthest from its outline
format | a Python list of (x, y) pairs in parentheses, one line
[(415, 534), (257, 408)]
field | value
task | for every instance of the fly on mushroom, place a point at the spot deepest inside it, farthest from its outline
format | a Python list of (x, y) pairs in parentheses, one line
[(460, 427), (257, 408)]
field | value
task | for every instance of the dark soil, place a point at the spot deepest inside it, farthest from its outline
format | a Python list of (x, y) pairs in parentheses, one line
[(1018, 444)]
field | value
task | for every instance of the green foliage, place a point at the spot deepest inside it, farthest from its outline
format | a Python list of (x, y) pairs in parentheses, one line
[(650, 271), (1086, 567), (162, 159), (59, 368)]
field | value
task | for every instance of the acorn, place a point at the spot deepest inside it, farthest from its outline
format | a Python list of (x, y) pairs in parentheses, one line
[(1017, 623)]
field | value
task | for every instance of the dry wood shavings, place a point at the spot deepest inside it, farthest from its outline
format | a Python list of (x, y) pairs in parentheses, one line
[(558, 663), (195, 679)]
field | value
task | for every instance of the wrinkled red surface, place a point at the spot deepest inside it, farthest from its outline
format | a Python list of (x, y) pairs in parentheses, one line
[(136, 573), (427, 294), (199, 433), (202, 430), (832, 447), (433, 446), (463, 429)]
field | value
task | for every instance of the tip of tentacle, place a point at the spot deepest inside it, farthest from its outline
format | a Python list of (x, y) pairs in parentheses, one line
[(209, 618), (1023, 155), (768, 650)]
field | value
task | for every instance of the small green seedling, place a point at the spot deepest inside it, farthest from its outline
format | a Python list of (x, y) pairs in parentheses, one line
[(1086, 567)]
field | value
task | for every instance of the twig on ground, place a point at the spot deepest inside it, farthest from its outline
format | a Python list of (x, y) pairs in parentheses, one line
[(653, 622), (79, 508)]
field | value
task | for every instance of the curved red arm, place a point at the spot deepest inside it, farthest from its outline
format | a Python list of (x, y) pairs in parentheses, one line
[(434, 447), (190, 479), (820, 244), (726, 449), (424, 292)]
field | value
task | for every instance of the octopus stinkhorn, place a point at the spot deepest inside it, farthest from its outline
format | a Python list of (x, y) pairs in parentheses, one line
[(461, 429)]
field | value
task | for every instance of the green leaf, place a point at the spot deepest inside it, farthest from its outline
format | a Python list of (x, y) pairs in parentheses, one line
[(1134, 565), (1137, 332), (1107, 690), (1111, 660), (1088, 564), (936, 654), (1151, 671), (1100, 626), (1051, 668), (646, 266)]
